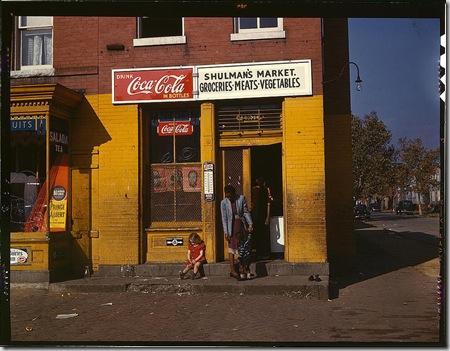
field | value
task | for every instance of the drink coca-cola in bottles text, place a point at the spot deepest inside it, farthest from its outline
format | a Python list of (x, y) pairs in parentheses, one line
[(152, 85)]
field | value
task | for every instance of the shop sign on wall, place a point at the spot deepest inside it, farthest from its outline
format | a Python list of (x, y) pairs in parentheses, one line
[(251, 80), (212, 82), (18, 256), (168, 128), (58, 208), (152, 85)]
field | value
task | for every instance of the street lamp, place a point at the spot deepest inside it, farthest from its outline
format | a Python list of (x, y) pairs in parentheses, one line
[(358, 80)]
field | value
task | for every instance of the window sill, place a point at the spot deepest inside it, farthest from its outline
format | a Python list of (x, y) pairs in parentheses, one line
[(33, 71), (258, 35), (159, 41)]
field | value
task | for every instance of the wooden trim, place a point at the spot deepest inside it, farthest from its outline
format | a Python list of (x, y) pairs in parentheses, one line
[(250, 141)]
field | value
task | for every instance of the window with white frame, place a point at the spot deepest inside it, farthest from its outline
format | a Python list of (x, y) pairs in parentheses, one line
[(35, 41), (250, 28), (159, 31)]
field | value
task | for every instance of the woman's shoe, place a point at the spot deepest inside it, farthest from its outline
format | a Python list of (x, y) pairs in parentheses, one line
[(242, 277)]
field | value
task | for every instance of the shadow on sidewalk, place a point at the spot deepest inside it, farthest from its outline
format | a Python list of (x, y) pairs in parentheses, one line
[(380, 251)]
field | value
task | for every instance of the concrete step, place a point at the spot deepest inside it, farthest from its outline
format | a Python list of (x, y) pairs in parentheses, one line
[(260, 268), (295, 286)]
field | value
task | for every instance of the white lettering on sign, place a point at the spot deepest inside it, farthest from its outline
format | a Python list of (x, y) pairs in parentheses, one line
[(172, 84), (179, 128), (60, 138)]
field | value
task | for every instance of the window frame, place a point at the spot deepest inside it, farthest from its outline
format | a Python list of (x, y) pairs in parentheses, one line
[(158, 222), (164, 40), (258, 33), (18, 45)]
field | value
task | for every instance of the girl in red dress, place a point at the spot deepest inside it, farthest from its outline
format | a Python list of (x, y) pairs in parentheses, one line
[(196, 256)]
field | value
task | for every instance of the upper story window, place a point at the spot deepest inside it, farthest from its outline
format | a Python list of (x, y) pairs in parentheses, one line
[(252, 28), (159, 31), (34, 42)]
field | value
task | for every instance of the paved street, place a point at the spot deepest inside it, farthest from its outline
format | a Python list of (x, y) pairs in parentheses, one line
[(390, 296)]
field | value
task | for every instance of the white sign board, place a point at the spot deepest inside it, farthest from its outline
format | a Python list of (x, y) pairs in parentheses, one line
[(18, 256), (251, 80)]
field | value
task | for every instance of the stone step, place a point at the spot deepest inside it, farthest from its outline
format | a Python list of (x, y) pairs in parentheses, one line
[(295, 286), (260, 268)]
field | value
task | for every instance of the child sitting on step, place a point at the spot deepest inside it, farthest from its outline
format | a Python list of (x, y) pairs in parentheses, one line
[(196, 256)]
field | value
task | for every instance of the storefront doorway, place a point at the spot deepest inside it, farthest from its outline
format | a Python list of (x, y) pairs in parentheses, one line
[(241, 168)]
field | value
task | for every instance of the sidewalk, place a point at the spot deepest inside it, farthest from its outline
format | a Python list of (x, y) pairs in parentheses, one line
[(299, 286)]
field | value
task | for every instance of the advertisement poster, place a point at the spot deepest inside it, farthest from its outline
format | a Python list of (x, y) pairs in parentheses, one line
[(151, 85)]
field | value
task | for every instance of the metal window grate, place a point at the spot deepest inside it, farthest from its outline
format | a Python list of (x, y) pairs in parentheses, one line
[(249, 118), (175, 193)]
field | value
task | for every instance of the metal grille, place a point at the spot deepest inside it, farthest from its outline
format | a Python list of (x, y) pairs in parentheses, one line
[(175, 193), (233, 169), (249, 118)]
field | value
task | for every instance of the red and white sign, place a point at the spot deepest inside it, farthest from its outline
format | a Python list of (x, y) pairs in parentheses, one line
[(181, 128), (152, 85)]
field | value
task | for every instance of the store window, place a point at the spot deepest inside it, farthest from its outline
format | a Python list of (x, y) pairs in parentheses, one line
[(175, 194), (159, 31), (28, 188), (34, 42), (250, 28)]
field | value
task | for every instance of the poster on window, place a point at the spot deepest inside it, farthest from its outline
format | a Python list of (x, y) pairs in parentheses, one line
[(58, 195), (191, 178)]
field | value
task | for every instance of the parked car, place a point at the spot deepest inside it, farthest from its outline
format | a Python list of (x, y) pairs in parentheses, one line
[(375, 207), (404, 207), (361, 212)]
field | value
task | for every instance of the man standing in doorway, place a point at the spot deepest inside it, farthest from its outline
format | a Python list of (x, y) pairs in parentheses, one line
[(261, 199)]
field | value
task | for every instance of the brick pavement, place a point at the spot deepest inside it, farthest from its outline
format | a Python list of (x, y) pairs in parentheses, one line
[(389, 297)]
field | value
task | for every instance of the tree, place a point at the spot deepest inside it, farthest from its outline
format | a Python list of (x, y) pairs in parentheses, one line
[(418, 166), (373, 157)]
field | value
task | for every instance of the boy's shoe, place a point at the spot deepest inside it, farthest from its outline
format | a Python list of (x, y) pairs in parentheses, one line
[(182, 275), (196, 275)]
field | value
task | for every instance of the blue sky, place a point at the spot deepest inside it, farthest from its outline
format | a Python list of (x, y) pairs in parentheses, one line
[(398, 61)]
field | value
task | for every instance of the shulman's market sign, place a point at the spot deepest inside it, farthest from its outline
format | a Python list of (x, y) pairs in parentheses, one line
[(212, 82)]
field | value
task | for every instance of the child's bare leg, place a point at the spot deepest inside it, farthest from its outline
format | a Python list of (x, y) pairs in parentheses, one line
[(187, 268), (196, 267)]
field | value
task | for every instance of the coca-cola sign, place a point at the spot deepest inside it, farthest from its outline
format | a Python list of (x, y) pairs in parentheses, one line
[(152, 85), (177, 128)]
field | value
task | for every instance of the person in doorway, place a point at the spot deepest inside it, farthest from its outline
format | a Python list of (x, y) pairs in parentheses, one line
[(235, 219), (195, 256), (261, 201)]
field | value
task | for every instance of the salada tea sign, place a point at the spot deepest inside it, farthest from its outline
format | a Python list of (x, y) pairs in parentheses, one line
[(152, 85), (253, 80)]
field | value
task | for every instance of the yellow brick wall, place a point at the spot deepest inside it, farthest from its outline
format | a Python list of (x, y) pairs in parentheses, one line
[(110, 134), (304, 179), (208, 154), (37, 246)]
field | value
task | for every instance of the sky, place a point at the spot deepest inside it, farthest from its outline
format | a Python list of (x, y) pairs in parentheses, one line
[(398, 60)]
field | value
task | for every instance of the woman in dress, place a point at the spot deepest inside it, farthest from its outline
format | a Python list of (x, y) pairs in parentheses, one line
[(235, 216)]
